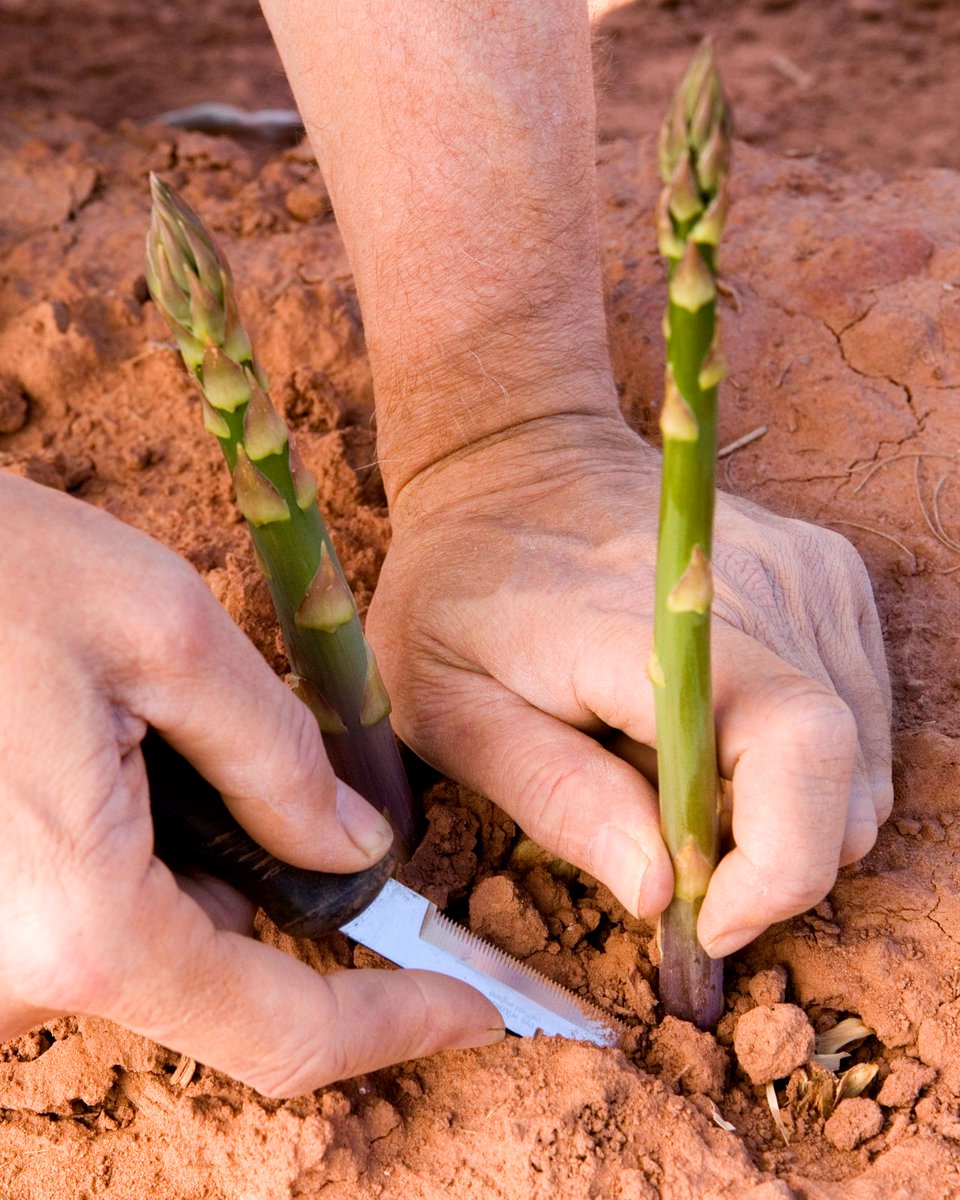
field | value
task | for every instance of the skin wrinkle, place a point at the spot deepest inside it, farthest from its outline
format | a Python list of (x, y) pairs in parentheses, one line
[(511, 438)]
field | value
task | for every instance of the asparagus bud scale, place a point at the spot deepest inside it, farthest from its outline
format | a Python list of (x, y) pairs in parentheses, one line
[(334, 671), (694, 160)]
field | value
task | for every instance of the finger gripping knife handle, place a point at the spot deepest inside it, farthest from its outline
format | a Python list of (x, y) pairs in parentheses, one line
[(195, 832)]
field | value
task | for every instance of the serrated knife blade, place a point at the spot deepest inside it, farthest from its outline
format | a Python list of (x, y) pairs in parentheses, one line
[(409, 930)]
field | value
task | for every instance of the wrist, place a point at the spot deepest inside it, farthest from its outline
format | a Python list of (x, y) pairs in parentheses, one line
[(523, 463), (477, 387)]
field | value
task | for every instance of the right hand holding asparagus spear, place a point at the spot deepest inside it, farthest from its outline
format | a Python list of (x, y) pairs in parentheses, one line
[(514, 615)]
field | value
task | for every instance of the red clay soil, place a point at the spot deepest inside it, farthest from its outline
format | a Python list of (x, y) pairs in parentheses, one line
[(842, 322)]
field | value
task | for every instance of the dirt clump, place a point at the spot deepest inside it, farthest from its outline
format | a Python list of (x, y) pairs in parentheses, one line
[(14, 406), (772, 1040), (688, 1057), (620, 977), (906, 1081), (853, 1121), (500, 912), (769, 986), (445, 862)]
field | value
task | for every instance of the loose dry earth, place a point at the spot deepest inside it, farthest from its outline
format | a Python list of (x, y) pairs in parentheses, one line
[(842, 324)]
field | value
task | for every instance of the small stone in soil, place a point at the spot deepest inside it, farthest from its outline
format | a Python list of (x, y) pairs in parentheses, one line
[(772, 1041), (306, 203), (853, 1121)]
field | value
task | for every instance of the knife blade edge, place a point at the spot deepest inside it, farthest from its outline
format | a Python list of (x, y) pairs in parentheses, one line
[(409, 930)]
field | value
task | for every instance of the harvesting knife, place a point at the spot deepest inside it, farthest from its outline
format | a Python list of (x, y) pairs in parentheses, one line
[(195, 831)]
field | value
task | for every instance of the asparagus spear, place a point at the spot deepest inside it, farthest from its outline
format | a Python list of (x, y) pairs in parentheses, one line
[(694, 159), (334, 671)]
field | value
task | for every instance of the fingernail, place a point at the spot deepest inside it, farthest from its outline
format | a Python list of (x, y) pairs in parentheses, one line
[(726, 943), (618, 860), (363, 825), (478, 1037)]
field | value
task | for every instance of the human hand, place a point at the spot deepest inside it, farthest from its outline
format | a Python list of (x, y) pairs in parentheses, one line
[(102, 632), (513, 620)]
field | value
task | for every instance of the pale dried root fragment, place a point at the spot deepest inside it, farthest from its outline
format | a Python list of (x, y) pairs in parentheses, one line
[(185, 1070), (774, 1105)]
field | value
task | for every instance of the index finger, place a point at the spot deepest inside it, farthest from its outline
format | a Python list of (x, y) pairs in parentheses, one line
[(202, 684)]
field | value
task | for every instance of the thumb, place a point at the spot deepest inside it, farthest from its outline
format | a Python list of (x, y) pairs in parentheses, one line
[(203, 686), (267, 1019), (571, 795)]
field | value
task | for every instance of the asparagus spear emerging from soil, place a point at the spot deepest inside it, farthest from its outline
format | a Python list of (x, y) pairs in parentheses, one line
[(694, 157), (335, 673)]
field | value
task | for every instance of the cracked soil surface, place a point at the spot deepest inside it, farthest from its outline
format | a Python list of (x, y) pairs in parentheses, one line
[(842, 327)]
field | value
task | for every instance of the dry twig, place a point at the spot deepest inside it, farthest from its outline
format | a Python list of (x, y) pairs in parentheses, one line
[(742, 441)]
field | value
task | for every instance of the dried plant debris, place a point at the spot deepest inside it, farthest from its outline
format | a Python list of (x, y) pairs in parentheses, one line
[(774, 1105), (844, 1033)]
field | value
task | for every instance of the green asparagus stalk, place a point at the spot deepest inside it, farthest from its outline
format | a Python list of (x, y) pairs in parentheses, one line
[(694, 160), (334, 671)]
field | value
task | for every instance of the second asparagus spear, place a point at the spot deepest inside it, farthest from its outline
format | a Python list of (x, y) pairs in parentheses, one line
[(335, 673), (694, 156)]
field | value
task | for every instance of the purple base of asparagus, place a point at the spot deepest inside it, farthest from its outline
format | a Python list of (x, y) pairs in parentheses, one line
[(369, 761), (691, 983)]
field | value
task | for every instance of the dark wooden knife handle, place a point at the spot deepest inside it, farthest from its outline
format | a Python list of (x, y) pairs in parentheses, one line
[(195, 832)]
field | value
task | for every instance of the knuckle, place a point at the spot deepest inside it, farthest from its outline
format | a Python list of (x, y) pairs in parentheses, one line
[(304, 766), (176, 617), (544, 796), (812, 716), (828, 556), (845, 557)]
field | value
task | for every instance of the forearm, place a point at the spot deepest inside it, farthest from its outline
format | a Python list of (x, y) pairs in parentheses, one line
[(458, 144)]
